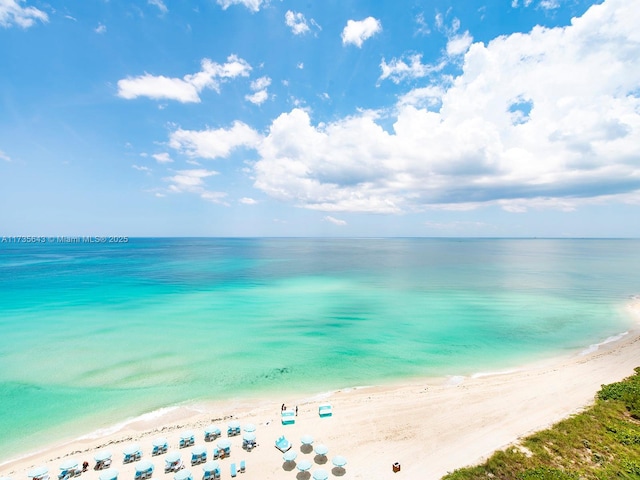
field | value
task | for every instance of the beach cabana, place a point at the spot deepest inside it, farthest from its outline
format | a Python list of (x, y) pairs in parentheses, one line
[(160, 446), (103, 459), (283, 444), (211, 433), (233, 428), (183, 475), (198, 455), (325, 410), (108, 474), (288, 417), (187, 438), (304, 465), (211, 470), (39, 473), (249, 427), (224, 447), (248, 440), (172, 462), (69, 468), (132, 453), (320, 474), (144, 469)]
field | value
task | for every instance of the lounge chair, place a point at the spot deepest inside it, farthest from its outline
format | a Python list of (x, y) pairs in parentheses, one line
[(233, 470), (242, 466), (216, 453), (288, 417), (283, 444), (325, 410)]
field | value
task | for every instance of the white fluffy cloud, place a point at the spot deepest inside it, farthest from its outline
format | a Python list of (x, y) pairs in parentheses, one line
[(162, 157), (411, 67), (214, 143), (526, 125), (459, 44), (13, 13), (356, 32), (296, 22), (253, 5), (192, 181), (259, 88), (188, 88), (335, 221), (100, 28), (160, 4)]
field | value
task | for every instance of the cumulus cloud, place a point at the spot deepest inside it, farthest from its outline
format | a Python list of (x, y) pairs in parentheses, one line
[(188, 88), (259, 88), (296, 22), (459, 44), (160, 4), (192, 181), (253, 5), (408, 67), (214, 143), (162, 157), (356, 32), (13, 13), (335, 221)]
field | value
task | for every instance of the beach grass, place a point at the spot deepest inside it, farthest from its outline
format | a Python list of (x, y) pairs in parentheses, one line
[(602, 442)]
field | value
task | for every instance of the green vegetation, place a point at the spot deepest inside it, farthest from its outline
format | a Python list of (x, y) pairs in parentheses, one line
[(601, 443)]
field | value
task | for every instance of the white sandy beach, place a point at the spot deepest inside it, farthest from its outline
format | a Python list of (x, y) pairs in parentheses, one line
[(430, 427)]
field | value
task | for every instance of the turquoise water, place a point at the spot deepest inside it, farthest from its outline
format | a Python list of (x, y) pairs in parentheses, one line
[(91, 334)]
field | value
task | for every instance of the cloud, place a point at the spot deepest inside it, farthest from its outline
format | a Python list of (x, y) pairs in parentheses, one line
[(356, 32), (141, 168), (188, 88), (259, 88), (162, 157), (423, 28), (525, 125), (192, 181), (296, 22), (459, 44), (248, 201), (100, 28), (4, 156), (335, 221), (253, 5), (214, 143), (12, 13), (398, 69), (160, 4)]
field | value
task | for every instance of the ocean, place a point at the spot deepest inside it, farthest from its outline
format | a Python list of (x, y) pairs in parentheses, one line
[(94, 333)]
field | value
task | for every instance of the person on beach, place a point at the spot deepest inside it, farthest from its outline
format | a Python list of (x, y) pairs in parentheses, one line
[(283, 408), (296, 410)]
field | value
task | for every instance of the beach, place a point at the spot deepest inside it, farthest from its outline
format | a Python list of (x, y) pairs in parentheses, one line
[(428, 426)]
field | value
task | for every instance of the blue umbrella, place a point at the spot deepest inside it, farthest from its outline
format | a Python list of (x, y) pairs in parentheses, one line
[(304, 465), (172, 457), (144, 466), (320, 474), (306, 439), (160, 442), (249, 436), (210, 466), (187, 435), (224, 443), (212, 429), (198, 450), (38, 472), (290, 455), (339, 461), (102, 456), (109, 474), (234, 425), (131, 449), (183, 475), (321, 449), (69, 464), (249, 427)]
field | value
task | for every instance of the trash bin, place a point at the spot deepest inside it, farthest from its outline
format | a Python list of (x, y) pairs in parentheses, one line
[(396, 467)]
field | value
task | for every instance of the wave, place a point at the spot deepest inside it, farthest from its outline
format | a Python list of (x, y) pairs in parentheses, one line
[(595, 346), (145, 417)]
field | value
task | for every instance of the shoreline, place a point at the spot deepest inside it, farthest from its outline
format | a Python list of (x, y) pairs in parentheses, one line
[(429, 425)]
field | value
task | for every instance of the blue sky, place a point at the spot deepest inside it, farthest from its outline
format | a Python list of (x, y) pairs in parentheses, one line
[(320, 118)]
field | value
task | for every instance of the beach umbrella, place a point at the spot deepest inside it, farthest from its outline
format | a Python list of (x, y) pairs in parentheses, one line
[(224, 444), (102, 456), (186, 435), (210, 466), (234, 424), (5, 478), (212, 429), (321, 449), (109, 474), (183, 475), (320, 474), (38, 472), (249, 436), (306, 439), (131, 449), (160, 442), (339, 461), (304, 465), (249, 427), (144, 466), (69, 464), (199, 450), (290, 455), (172, 457)]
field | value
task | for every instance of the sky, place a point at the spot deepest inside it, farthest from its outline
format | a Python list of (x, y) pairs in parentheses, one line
[(354, 118)]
